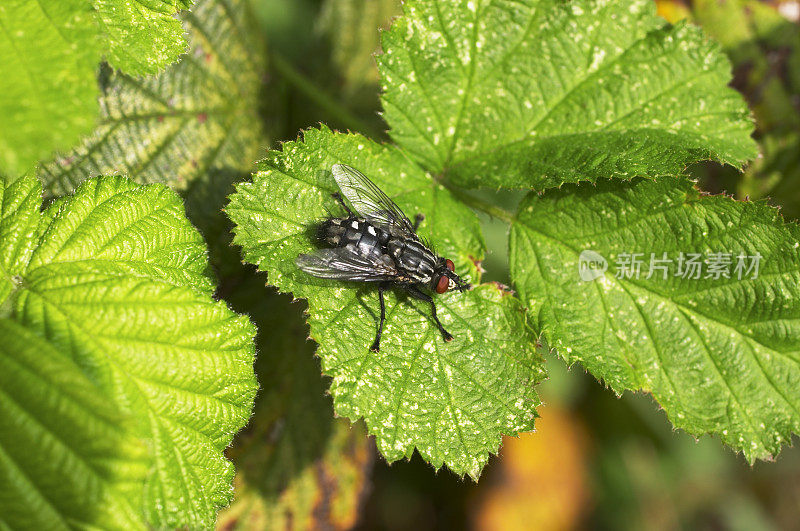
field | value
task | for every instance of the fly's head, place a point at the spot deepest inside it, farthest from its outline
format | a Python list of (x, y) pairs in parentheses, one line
[(445, 278)]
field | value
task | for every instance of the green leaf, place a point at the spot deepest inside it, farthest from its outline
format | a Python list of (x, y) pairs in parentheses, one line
[(452, 401), (66, 459), (197, 117), (719, 354), (49, 51), (47, 57), (113, 278), (142, 36), (541, 92), (19, 205), (297, 466)]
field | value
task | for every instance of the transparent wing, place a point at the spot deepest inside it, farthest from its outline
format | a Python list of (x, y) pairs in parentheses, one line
[(368, 199), (346, 263)]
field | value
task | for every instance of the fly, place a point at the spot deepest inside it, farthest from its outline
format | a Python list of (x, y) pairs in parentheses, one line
[(378, 243)]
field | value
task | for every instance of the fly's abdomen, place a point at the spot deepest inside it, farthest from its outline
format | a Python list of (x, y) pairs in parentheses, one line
[(413, 259)]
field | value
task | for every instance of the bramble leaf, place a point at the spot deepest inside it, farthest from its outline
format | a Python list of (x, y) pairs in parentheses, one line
[(66, 457), (540, 92), (719, 353), (48, 78), (452, 401), (199, 116), (113, 279), (49, 52), (142, 36)]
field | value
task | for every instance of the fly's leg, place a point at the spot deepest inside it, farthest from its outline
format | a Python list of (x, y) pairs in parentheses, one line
[(419, 218), (417, 294), (376, 346), (445, 334), (338, 197)]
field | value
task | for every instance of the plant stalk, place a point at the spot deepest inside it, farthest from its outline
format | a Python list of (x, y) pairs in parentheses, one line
[(309, 89)]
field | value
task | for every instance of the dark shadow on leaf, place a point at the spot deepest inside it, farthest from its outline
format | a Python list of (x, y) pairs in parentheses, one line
[(204, 200), (293, 418)]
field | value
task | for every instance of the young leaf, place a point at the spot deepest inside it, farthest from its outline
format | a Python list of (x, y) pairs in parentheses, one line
[(142, 36), (540, 92), (196, 117), (48, 55), (719, 352), (114, 277), (452, 401), (47, 61)]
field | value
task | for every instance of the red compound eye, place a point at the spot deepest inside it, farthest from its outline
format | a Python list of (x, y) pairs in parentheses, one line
[(443, 284), (450, 265)]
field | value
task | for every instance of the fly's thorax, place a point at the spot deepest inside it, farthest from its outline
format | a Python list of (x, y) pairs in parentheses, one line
[(413, 259)]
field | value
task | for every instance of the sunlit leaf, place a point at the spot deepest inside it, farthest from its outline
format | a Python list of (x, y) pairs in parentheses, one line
[(540, 92), (49, 51), (450, 401), (716, 345), (142, 36), (113, 279), (67, 456), (48, 61)]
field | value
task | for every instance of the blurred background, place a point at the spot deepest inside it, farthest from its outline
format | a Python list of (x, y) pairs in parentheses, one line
[(596, 461)]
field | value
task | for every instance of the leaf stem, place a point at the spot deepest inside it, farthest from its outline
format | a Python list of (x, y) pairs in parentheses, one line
[(308, 88), (478, 203)]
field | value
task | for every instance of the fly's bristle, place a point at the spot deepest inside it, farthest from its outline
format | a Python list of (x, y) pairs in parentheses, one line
[(322, 229)]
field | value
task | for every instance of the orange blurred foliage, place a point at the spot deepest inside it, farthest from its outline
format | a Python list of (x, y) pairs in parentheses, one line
[(673, 10), (542, 479)]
